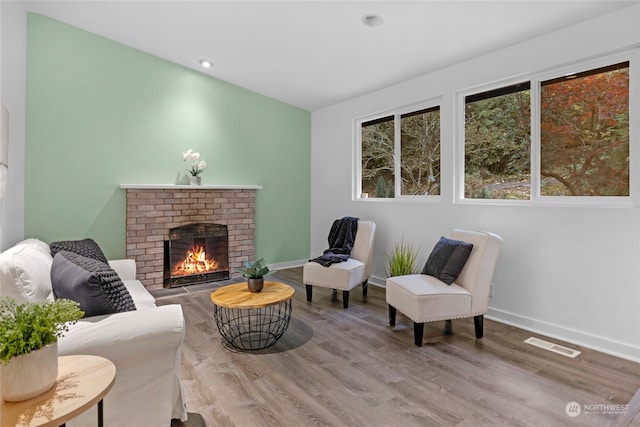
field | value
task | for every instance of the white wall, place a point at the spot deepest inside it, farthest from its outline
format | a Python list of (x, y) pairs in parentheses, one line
[(567, 272), (13, 65)]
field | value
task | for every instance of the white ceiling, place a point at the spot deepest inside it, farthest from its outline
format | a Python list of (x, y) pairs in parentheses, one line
[(312, 54)]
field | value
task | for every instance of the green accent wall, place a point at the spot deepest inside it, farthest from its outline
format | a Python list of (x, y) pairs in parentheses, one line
[(100, 114)]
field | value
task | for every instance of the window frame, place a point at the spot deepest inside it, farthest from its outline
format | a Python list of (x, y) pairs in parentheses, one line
[(536, 79), (397, 113), (459, 181)]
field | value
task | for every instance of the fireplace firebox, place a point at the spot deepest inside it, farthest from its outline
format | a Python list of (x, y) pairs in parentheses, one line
[(196, 253)]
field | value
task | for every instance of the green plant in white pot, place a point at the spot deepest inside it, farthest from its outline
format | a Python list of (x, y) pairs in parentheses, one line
[(254, 272), (401, 260), (29, 345)]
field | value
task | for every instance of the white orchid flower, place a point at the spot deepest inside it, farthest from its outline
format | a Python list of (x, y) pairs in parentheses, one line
[(197, 165)]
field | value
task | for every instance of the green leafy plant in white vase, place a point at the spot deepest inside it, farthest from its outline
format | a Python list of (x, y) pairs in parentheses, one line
[(29, 335)]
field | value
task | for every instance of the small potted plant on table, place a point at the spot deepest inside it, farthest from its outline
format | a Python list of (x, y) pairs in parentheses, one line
[(254, 272), (29, 345)]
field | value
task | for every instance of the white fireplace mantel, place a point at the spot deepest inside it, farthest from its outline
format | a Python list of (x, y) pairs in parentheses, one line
[(189, 187)]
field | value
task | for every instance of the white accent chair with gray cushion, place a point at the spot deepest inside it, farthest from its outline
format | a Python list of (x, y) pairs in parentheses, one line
[(444, 293), (348, 274)]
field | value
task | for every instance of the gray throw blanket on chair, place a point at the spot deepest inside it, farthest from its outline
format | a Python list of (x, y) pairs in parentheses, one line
[(341, 239)]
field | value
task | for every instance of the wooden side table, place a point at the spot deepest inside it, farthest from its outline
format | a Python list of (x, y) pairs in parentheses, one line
[(82, 382), (252, 320)]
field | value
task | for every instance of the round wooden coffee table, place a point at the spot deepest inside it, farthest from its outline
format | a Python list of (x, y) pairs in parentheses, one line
[(82, 382), (252, 321)]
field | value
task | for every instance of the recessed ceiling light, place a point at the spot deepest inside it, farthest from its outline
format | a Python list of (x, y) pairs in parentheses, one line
[(206, 63), (372, 20)]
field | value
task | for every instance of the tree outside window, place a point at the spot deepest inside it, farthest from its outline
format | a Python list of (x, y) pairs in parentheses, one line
[(420, 152), (497, 145), (377, 157), (585, 133), (417, 151), (584, 138)]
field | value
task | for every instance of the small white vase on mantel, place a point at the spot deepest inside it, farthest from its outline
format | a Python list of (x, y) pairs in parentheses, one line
[(195, 180), (29, 375)]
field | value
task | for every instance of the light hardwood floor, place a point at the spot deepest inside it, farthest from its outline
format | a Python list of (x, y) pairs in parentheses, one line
[(336, 367)]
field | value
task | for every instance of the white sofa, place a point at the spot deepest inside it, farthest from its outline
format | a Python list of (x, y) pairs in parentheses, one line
[(145, 344)]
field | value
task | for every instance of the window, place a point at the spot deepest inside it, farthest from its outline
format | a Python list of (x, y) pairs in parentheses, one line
[(377, 157), (558, 138), (497, 149), (400, 154), (584, 133), (420, 152)]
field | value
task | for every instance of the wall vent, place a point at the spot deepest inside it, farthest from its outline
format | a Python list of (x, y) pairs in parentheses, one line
[(565, 351)]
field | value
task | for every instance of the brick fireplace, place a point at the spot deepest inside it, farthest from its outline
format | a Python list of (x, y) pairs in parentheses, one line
[(152, 210)]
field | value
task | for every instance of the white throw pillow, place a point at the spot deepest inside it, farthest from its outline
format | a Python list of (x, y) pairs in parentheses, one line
[(25, 273), (36, 244)]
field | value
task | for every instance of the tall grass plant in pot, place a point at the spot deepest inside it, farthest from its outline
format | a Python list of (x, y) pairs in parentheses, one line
[(402, 259)]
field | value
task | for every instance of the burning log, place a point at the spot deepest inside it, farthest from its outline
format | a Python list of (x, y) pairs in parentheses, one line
[(195, 262)]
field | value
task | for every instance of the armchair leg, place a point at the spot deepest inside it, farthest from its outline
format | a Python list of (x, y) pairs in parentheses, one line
[(447, 327), (309, 292), (478, 322), (365, 287), (418, 331), (392, 315), (345, 299)]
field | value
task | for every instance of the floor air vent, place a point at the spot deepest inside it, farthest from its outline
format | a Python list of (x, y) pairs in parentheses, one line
[(565, 351)]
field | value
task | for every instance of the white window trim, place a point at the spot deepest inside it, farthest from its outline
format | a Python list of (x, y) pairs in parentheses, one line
[(396, 113), (631, 55)]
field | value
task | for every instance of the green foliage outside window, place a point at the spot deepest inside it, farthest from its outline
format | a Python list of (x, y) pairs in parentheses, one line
[(420, 152), (584, 132), (584, 142), (497, 147)]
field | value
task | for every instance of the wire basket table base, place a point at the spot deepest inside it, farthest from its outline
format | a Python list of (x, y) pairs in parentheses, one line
[(254, 328)]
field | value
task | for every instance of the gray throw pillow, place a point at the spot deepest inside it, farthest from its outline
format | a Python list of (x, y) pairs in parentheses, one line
[(447, 259), (86, 247), (92, 283)]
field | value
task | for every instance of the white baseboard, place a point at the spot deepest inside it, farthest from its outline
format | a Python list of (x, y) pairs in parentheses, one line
[(594, 342), (559, 332), (378, 281), (288, 264)]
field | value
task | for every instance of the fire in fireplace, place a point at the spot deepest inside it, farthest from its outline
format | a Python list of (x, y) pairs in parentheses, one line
[(195, 262), (196, 253)]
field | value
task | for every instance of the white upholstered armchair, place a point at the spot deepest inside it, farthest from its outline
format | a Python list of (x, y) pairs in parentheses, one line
[(348, 274), (424, 298)]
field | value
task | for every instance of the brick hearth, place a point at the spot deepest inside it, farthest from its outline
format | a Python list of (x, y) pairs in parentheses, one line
[(153, 210)]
